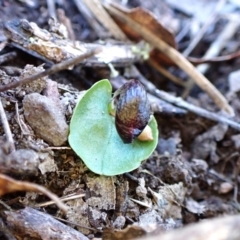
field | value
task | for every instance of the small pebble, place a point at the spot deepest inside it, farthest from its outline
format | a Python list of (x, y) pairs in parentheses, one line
[(45, 118)]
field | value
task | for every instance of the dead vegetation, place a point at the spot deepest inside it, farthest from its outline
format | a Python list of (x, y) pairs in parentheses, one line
[(186, 56)]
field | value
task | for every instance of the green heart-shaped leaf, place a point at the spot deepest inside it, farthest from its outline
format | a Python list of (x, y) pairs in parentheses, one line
[(94, 138)]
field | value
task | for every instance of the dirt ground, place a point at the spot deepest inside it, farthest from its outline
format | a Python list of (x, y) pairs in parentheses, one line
[(192, 175)]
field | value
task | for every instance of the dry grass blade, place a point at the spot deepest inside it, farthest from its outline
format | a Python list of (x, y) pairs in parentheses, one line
[(204, 28), (177, 57), (215, 48), (228, 57), (64, 199), (102, 16), (166, 73), (9, 185)]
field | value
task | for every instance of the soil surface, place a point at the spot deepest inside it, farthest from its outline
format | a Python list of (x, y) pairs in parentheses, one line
[(192, 175)]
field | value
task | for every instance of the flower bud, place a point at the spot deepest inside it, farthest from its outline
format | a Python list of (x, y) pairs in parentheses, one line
[(132, 110)]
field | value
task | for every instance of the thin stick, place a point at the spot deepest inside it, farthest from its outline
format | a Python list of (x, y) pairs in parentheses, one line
[(63, 199), (177, 57), (55, 68), (192, 108), (103, 17), (67, 23), (151, 88), (204, 28), (12, 185), (51, 8), (221, 41), (167, 73), (216, 47), (87, 14), (223, 58), (6, 128)]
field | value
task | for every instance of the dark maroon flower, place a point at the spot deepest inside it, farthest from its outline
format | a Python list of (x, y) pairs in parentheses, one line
[(132, 110)]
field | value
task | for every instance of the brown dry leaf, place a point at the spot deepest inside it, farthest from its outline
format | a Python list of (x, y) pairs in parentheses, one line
[(176, 56), (148, 20), (9, 185)]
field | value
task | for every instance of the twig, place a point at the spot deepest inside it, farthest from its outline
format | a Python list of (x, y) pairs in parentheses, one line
[(102, 16), (24, 129), (3, 43), (5, 231), (216, 47), (98, 29), (184, 31), (214, 59), (181, 103), (157, 105), (63, 199), (51, 8), (204, 28), (5, 205), (166, 73), (236, 174), (56, 68), (57, 148), (197, 110), (18, 118), (6, 128), (177, 57), (12, 185), (67, 23), (221, 41)]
